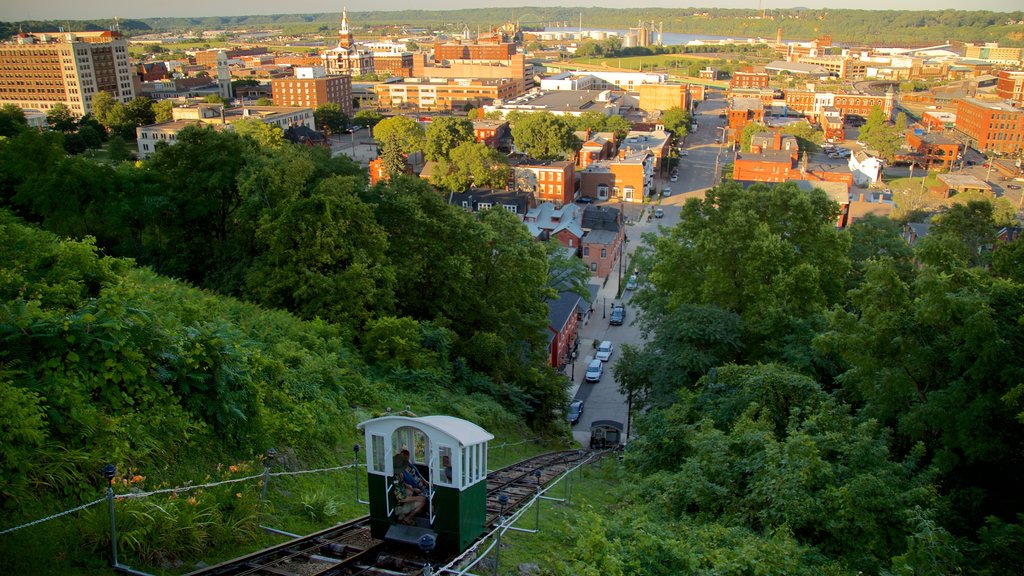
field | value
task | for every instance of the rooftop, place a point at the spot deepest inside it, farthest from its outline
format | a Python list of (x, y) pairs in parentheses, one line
[(999, 106)]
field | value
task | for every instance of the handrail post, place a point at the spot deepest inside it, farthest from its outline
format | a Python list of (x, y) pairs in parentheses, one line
[(109, 471), (271, 453)]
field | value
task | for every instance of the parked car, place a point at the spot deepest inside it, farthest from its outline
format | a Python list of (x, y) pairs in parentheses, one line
[(618, 315), (684, 152), (575, 411), (631, 284), (1013, 187), (585, 200), (595, 370), (604, 351), (673, 178), (667, 191), (659, 213)]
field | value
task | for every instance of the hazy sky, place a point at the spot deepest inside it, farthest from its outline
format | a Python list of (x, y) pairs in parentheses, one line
[(87, 9)]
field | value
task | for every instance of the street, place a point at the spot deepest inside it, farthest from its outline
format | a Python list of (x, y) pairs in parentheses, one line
[(602, 400)]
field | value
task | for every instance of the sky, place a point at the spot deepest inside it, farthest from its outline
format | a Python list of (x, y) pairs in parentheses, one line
[(90, 9)]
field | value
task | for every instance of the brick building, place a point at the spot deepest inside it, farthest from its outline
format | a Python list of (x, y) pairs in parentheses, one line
[(596, 146), (664, 96), (776, 158), (603, 238), (832, 124), (1010, 86), (552, 181), (842, 67), (395, 64), (347, 58), (743, 110), (934, 151), (629, 178), (473, 51), (490, 132), (811, 103), (439, 94), (311, 87), (749, 80), (208, 58), (39, 70), (991, 126)]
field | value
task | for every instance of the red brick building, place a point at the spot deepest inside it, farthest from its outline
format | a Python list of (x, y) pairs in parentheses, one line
[(399, 65), (563, 327), (314, 91), (1010, 86), (553, 181), (208, 58), (812, 103), (744, 110), (991, 126), (490, 132), (749, 80), (475, 51), (935, 151), (783, 165)]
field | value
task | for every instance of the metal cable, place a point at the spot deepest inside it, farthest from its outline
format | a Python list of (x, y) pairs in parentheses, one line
[(57, 515)]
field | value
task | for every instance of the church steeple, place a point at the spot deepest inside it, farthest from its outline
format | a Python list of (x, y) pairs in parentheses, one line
[(345, 39)]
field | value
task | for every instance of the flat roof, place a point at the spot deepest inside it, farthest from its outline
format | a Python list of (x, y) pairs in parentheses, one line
[(964, 181), (1001, 106)]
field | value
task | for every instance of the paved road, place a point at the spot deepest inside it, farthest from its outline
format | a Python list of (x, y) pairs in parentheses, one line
[(602, 400)]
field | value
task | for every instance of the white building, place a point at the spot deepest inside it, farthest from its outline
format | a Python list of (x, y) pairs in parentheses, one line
[(600, 80), (866, 168), (218, 117)]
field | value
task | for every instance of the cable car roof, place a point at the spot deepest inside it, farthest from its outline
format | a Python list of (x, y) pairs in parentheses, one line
[(464, 432)]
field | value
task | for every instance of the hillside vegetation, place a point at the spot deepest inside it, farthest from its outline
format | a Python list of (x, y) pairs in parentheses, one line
[(848, 26)]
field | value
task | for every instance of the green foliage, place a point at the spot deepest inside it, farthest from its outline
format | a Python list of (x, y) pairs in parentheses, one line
[(808, 138), (367, 118), (880, 136), (213, 99), (405, 132), (677, 121), (12, 120), (747, 134), (770, 254), (59, 118), (117, 149), (265, 135), (446, 133), (472, 163), (544, 136), (22, 435), (330, 118)]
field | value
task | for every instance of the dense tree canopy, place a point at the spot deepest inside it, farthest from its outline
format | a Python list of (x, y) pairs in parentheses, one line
[(543, 135), (446, 133)]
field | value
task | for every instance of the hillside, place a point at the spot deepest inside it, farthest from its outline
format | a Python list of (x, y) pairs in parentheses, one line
[(845, 26)]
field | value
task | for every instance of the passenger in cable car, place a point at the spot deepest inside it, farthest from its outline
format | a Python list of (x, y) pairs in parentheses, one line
[(408, 503)]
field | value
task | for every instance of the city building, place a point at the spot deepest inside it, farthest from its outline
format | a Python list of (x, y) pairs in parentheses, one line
[(220, 118), (778, 159), (393, 64), (777, 67), (562, 103), (793, 51), (743, 110), (866, 169), (992, 52), (657, 143), (991, 126), (491, 132), (208, 58), (627, 177), (39, 70), (832, 124), (548, 181), (476, 200), (603, 238), (601, 80), (1010, 86), (596, 146), (811, 103), (709, 73), (441, 94), (664, 96), (347, 57), (938, 120), (755, 80), (312, 87), (934, 151), (763, 141), (953, 184), (473, 51), (515, 68), (843, 67)]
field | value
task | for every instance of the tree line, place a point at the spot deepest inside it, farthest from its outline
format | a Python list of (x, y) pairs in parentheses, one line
[(816, 401)]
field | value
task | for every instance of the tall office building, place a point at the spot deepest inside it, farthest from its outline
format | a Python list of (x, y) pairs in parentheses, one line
[(39, 70)]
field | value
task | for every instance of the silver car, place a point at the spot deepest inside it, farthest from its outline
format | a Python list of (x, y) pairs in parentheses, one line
[(594, 370)]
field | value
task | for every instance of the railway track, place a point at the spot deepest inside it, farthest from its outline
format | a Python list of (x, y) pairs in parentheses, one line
[(348, 548)]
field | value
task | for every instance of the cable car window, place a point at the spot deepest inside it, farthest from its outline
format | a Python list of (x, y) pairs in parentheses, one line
[(444, 473), (378, 453), (419, 452), (465, 467)]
